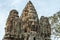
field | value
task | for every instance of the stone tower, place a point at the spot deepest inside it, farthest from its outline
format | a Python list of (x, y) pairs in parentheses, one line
[(29, 18), (45, 28), (27, 26), (12, 28)]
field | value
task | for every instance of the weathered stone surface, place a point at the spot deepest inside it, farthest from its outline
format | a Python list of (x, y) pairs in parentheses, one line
[(29, 18), (12, 28), (45, 28), (27, 26)]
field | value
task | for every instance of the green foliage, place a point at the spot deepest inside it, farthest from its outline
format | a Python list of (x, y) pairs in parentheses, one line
[(57, 29), (55, 24)]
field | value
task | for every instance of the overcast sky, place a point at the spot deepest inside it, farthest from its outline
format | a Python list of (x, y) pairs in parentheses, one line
[(43, 8)]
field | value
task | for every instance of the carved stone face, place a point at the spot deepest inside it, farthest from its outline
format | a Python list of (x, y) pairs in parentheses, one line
[(33, 21)]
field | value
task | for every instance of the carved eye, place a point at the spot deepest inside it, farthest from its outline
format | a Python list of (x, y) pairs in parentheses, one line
[(16, 17)]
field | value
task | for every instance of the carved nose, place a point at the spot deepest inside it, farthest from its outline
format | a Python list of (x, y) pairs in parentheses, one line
[(33, 23)]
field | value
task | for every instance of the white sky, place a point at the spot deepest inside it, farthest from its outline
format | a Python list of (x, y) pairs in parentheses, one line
[(43, 7)]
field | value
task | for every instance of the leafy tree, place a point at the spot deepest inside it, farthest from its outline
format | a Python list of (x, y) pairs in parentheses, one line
[(55, 24)]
